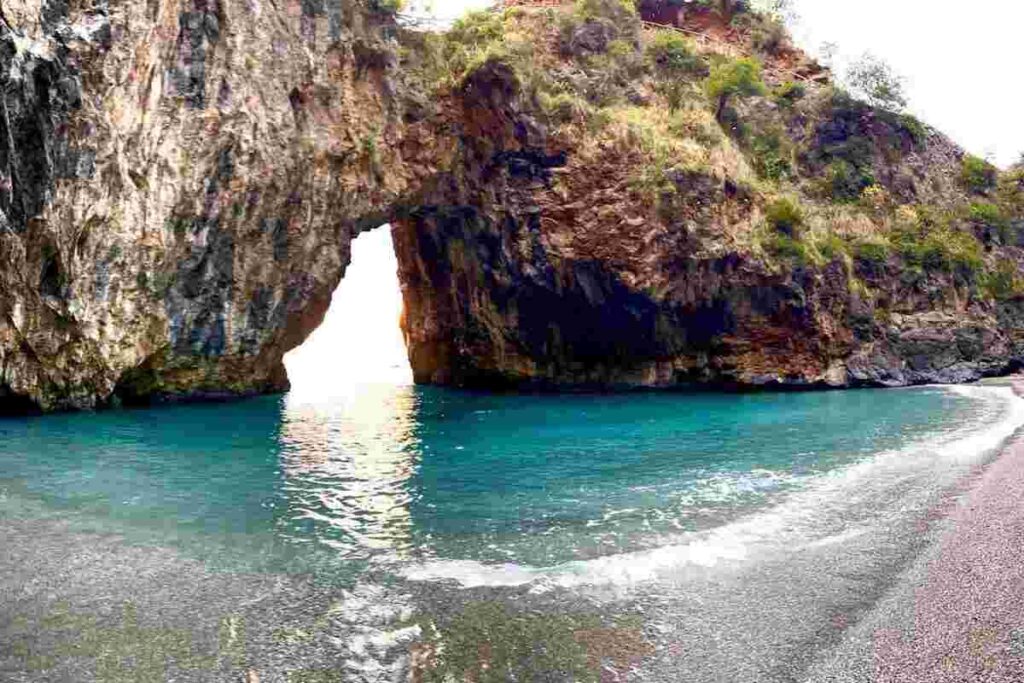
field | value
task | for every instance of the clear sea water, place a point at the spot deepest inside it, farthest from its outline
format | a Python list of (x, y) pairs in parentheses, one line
[(398, 475), (430, 487)]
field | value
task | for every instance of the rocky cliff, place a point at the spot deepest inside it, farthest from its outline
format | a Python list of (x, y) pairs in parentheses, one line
[(179, 184), (619, 231), (573, 204)]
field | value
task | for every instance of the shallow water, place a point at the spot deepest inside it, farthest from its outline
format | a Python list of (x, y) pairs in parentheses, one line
[(396, 473), (667, 500)]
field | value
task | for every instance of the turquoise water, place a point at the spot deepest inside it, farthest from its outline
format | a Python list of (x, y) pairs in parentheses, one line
[(392, 476)]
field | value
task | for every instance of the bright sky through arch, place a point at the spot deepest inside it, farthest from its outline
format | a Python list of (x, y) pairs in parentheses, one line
[(360, 341), (960, 59)]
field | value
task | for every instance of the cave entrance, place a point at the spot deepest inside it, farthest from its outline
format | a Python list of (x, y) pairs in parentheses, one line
[(360, 341)]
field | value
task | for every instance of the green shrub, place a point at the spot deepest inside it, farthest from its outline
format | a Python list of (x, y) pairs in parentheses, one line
[(935, 256), (737, 78), (674, 54), (954, 252), (993, 220), (619, 11), (1011, 190), (477, 27), (471, 41), (1004, 282), (617, 49), (872, 253), (772, 156), (846, 181), (564, 107), (909, 243), (964, 254), (940, 250), (789, 93), (977, 174), (784, 246), (987, 213), (843, 134), (785, 216), (914, 128), (832, 247)]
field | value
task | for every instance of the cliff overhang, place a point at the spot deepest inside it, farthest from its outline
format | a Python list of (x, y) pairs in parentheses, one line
[(571, 208)]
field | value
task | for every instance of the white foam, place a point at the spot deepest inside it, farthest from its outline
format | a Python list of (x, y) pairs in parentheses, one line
[(800, 519)]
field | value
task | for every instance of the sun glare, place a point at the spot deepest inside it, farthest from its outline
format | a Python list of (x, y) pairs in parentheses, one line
[(360, 341)]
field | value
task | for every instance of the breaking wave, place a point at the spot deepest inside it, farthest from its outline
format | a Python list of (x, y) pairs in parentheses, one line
[(828, 508)]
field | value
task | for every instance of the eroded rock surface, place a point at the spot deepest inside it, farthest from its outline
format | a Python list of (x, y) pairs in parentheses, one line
[(179, 184), (180, 181)]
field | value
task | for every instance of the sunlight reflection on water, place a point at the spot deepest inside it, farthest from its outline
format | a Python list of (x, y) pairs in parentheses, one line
[(348, 462), (348, 444)]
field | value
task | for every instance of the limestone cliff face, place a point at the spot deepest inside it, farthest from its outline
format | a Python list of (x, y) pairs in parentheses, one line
[(562, 278), (179, 184), (180, 181)]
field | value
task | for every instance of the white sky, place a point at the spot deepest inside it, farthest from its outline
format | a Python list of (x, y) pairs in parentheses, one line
[(359, 341), (961, 60)]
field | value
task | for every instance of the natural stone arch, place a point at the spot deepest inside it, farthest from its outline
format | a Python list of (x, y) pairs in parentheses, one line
[(205, 166)]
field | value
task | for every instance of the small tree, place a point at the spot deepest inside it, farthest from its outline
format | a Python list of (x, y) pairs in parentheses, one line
[(977, 174), (740, 78), (875, 81), (779, 9)]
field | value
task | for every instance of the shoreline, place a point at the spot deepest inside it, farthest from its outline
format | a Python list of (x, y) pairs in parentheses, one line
[(930, 596), (957, 611), (16, 406), (969, 611)]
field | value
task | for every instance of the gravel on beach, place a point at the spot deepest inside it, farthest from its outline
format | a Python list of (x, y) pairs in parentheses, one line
[(968, 622), (919, 600)]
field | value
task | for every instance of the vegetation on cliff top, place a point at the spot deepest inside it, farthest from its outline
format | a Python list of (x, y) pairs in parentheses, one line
[(819, 174)]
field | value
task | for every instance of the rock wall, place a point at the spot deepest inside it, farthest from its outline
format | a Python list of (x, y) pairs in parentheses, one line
[(554, 272), (180, 181), (522, 289), (179, 184)]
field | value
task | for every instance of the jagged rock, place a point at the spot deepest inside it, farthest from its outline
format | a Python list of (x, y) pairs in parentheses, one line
[(180, 182)]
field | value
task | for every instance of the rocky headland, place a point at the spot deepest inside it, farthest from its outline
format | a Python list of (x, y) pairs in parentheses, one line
[(578, 199)]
